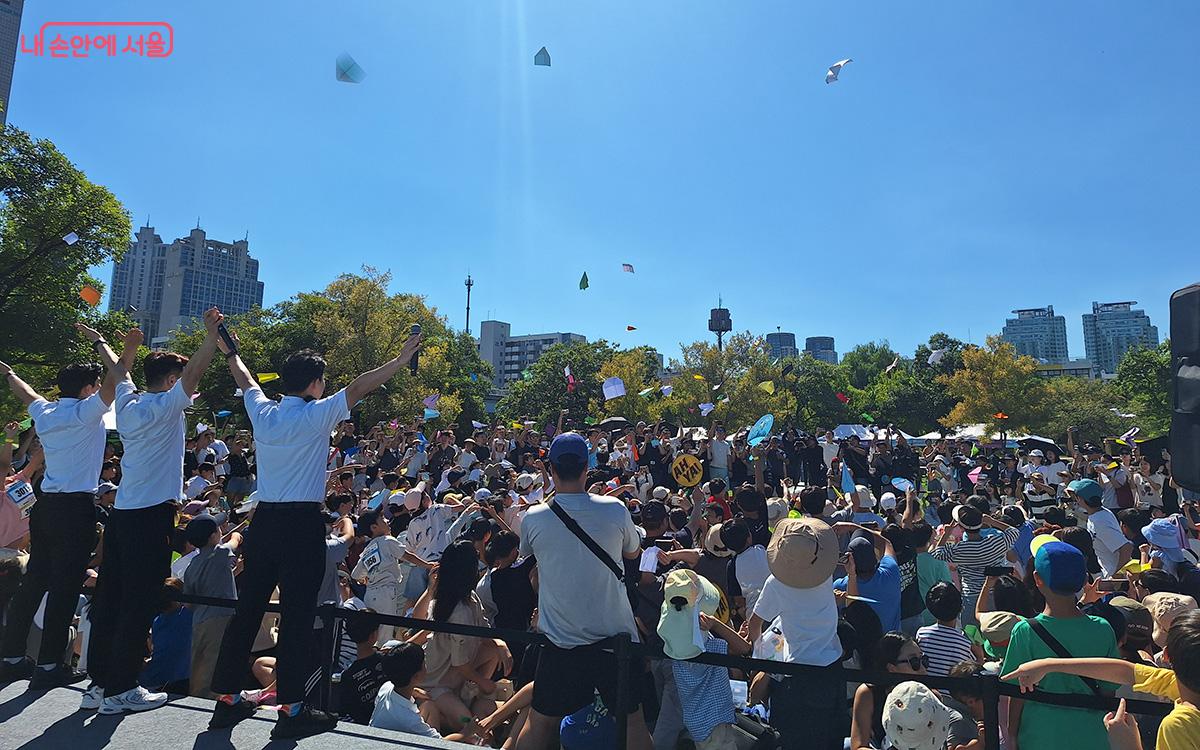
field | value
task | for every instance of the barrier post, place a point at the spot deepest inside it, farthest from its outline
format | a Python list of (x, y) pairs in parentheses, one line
[(327, 648), (991, 712), (624, 654)]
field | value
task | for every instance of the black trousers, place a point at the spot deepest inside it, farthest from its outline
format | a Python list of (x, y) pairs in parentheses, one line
[(136, 561), (62, 537), (284, 547)]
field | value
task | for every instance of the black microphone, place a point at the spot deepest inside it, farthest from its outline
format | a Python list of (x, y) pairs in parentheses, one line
[(223, 332), (412, 363)]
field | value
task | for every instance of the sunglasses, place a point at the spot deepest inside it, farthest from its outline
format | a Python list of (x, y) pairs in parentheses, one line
[(914, 662)]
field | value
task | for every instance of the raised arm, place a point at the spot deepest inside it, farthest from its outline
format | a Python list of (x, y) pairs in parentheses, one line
[(912, 509), (108, 388), (200, 361), (369, 381), (241, 374), (20, 388)]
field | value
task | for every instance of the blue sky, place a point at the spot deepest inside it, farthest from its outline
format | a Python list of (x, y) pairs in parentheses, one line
[(974, 158)]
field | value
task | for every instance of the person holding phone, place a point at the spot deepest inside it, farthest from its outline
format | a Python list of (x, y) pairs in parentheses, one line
[(975, 553)]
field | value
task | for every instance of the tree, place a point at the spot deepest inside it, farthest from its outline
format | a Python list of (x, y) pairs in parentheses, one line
[(912, 402), (46, 197), (866, 362), (1144, 379), (543, 394), (814, 385), (638, 370), (1092, 406), (994, 379)]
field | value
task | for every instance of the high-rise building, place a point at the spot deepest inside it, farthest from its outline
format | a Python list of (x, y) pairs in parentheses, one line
[(512, 355), (1037, 332), (1113, 328), (782, 344), (10, 35), (164, 286), (822, 348)]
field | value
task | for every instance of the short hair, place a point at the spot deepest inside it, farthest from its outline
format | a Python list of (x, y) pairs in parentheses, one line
[(158, 366), (73, 378), (390, 479), (402, 663), (206, 466), (168, 599), (1156, 580), (345, 475), (966, 688), (813, 500), (338, 498), (1183, 648), (920, 533), (301, 369), (361, 627), (944, 601), (735, 534), (569, 466), (945, 512), (501, 545)]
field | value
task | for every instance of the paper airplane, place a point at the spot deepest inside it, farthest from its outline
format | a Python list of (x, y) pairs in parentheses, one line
[(706, 409), (892, 366), (768, 386), (666, 390), (583, 281), (90, 295), (836, 68), (70, 238), (627, 267), (936, 356), (542, 58), (349, 71), (613, 388)]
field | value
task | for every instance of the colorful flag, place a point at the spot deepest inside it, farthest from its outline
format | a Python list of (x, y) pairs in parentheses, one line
[(627, 267), (842, 397), (267, 377), (583, 282), (90, 295)]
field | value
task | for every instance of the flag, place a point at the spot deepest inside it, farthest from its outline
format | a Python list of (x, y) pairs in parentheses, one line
[(431, 401), (583, 282), (627, 267), (432, 414), (267, 377), (570, 379), (847, 480), (90, 295), (842, 397), (613, 388), (630, 328), (768, 386), (706, 409), (666, 390)]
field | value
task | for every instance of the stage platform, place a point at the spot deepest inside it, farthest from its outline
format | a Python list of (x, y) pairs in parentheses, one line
[(52, 720)]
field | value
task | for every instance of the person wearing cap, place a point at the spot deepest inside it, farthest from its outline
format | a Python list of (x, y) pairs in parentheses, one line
[(580, 599), (286, 543), (1114, 480), (210, 573), (380, 567), (876, 574), (975, 552), (1060, 573), (1169, 551), (1113, 550), (62, 522), (861, 509), (809, 711), (106, 498)]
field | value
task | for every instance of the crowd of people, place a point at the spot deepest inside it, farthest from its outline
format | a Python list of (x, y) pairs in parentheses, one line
[(1074, 571)]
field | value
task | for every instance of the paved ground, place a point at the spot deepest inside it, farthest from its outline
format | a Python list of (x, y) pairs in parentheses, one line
[(52, 720)]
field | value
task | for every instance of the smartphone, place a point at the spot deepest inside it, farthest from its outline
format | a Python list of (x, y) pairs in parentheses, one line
[(666, 545), (1112, 584), (997, 570)]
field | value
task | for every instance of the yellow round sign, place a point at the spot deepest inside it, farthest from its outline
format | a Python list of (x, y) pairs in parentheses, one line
[(687, 470)]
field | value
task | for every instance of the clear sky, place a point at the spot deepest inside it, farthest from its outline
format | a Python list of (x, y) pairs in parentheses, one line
[(974, 158)]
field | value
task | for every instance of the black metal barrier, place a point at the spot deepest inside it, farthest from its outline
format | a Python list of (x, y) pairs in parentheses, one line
[(627, 652)]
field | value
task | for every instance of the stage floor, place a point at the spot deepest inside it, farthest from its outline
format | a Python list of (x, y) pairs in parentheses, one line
[(52, 720)]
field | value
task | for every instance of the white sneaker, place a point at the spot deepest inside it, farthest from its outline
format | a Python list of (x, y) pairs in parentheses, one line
[(136, 699), (92, 698)]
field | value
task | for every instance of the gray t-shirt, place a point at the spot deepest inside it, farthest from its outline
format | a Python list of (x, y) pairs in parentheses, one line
[(580, 601), (335, 553), (210, 574)]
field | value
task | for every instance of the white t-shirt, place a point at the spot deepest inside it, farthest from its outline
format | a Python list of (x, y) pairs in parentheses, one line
[(394, 711), (380, 562), (291, 439), (752, 573), (1106, 540), (580, 601), (416, 462), (720, 454), (1146, 492), (429, 533), (194, 488), (220, 452), (72, 434), (152, 430), (808, 618)]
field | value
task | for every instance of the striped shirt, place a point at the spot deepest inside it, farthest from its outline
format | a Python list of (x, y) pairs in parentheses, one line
[(945, 647), (1039, 504), (971, 556)]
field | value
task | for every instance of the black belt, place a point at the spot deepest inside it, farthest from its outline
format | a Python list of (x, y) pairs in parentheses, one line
[(296, 504)]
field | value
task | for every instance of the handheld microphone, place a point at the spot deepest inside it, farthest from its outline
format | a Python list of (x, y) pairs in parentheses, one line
[(412, 363), (223, 332)]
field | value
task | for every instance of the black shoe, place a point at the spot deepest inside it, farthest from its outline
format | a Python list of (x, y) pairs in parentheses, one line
[(22, 670), (227, 715), (61, 676), (308, 722)]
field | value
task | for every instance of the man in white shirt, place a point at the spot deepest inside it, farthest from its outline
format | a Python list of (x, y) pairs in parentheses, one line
[(580, 599), (137, 537), (62, 523), (1112, 548), (285, 545), (718, 454)]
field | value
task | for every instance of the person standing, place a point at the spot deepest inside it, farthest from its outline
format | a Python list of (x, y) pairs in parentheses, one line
[(62, 523), (580, 599), (285, 545), (136, 549), (1113, 549)]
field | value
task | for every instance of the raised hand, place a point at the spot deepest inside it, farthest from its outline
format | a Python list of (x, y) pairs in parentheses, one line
[(133, 338), (213, 318), (89, 333)]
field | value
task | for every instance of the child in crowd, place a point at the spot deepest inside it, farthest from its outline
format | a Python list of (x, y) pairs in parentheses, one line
[(359, 682), (170, 644), (210, 573), (404, 667), (944, 642), (380, 568)]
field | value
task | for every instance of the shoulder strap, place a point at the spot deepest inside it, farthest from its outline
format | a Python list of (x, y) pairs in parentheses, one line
[(1061, 651), (593, 547)]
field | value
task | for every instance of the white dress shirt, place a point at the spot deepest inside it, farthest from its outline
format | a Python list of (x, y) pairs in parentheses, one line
[(291, 438), (151, 427), (72, 434)]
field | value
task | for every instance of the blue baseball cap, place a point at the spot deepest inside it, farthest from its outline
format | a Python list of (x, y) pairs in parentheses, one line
[(568, 444), (1088, 491), (1061, 567)]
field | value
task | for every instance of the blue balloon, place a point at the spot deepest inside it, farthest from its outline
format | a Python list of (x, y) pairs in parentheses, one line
[(760, 430)]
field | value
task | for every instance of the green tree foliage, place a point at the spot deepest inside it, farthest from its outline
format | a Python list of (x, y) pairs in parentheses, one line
[(865, 363), (44, 198), (1092, 406), (543, 394), (1144, 380), (994, 380), (638, 370), (814, 385)]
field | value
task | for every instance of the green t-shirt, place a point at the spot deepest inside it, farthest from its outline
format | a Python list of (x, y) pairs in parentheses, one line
[(929, 571), (1045, 726)]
